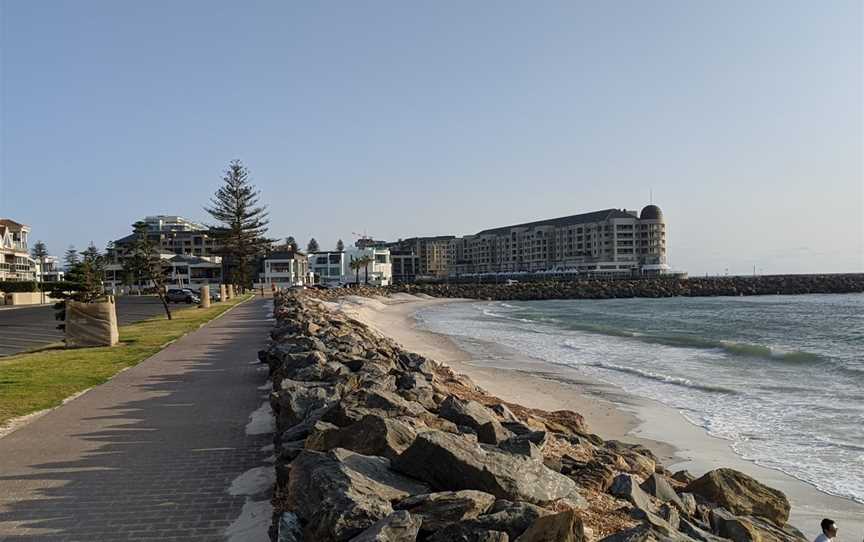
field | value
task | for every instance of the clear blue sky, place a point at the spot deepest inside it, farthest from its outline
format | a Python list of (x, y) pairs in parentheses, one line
[(446, 117)]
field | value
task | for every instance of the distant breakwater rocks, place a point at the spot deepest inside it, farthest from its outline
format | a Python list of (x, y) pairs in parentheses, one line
[(375, 443), (661, 287)]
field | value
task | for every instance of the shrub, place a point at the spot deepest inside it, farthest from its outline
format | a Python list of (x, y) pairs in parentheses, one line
[(18, 286)]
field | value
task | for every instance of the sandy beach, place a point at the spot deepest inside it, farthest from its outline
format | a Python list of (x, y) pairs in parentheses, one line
[(608, 411)]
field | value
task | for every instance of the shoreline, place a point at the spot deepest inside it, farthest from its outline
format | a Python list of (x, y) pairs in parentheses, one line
[(608, 411)]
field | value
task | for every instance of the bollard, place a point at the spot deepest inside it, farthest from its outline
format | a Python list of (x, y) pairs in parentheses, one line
[(205, 296), (223, 293), (230, 291)]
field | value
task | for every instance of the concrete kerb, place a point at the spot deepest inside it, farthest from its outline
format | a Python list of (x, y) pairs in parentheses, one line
[(17, 423)]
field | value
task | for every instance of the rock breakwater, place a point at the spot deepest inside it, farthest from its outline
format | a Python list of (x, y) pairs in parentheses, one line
[(661, 287), (375, 443)]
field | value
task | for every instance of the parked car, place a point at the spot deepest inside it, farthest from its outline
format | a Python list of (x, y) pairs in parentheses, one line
[(182, 295)]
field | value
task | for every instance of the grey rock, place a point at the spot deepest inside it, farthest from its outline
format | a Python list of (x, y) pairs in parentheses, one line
[(510, 517), (689, 503), (298, 401), (530, 444), (742, 495), (657, 523), (397, 527), (372, 435), (561, 527), (670, 514), (504, 413), (438, 510), (658, 486), (476, 416), (694, 531), (451, 462), (290, 529), (461, 532), (644, 533), (339, 494), (626, 486)]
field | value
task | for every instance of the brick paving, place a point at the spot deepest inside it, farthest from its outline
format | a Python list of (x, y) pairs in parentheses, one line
[(151, 454)]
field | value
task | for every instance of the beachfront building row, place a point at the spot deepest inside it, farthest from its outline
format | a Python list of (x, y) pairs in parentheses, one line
[(607, 242), (611, 241)]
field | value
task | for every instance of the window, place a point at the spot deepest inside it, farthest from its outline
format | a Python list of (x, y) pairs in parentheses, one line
[(335, 258), (380, 258)]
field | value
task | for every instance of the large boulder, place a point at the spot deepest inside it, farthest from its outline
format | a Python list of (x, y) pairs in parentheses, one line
[(298, 401), (510, 517), (461, 532), (438, 510), (644, 533), (372, 435), (730, 526), (372, 401), (453, 462), (476, 416), (397, 527), (751, 529), (626, 486), (339, 494), (561, 527), (742, 495), (659, 487)]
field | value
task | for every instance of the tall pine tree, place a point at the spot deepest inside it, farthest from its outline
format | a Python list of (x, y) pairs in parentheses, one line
[(243, 224), (71, 259), (91, 253), (312, 246)]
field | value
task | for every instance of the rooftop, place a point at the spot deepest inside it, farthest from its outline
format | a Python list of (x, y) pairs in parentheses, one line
[(585, 218)]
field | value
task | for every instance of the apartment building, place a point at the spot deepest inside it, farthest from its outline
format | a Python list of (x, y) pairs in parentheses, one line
[(15, 261), (405, 264), (334, 267), (611, 241), (174, 235), (285, 269), (186, 247), (52, 271), (432, 255)]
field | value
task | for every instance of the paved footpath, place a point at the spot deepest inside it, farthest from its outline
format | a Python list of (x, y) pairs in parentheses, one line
[(178, 447)]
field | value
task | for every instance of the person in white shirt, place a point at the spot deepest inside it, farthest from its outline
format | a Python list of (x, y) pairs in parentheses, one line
[(829, 531)]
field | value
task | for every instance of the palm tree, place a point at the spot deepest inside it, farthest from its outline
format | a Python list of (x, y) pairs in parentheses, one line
[(364, 263), (39, 253), (356, 265)]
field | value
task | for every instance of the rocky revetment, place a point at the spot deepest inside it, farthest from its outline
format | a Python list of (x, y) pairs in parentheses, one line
[(656, 287), (374, 443)]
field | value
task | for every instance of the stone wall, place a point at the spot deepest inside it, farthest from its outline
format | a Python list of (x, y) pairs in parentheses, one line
[(375, 443)]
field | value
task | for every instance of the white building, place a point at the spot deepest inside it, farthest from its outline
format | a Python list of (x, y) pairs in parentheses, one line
[(285, 269), (15, 261), (334, 267), (182, 272), (52, 271)]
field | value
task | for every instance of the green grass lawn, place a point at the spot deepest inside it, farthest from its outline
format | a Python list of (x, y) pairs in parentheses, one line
[(42, 379)]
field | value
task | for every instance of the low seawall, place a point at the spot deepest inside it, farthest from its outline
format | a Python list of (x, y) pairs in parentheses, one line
[(661, 287), (375, 443)]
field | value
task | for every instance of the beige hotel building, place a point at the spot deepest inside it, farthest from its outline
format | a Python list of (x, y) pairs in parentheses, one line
[(612, 241)]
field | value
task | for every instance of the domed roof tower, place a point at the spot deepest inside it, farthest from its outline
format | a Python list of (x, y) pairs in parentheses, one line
[(651, 212)]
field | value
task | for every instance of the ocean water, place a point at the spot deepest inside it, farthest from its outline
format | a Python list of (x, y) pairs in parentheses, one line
[(780, 377)]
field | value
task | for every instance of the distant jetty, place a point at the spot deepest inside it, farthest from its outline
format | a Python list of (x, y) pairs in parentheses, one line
[(655, 287)]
